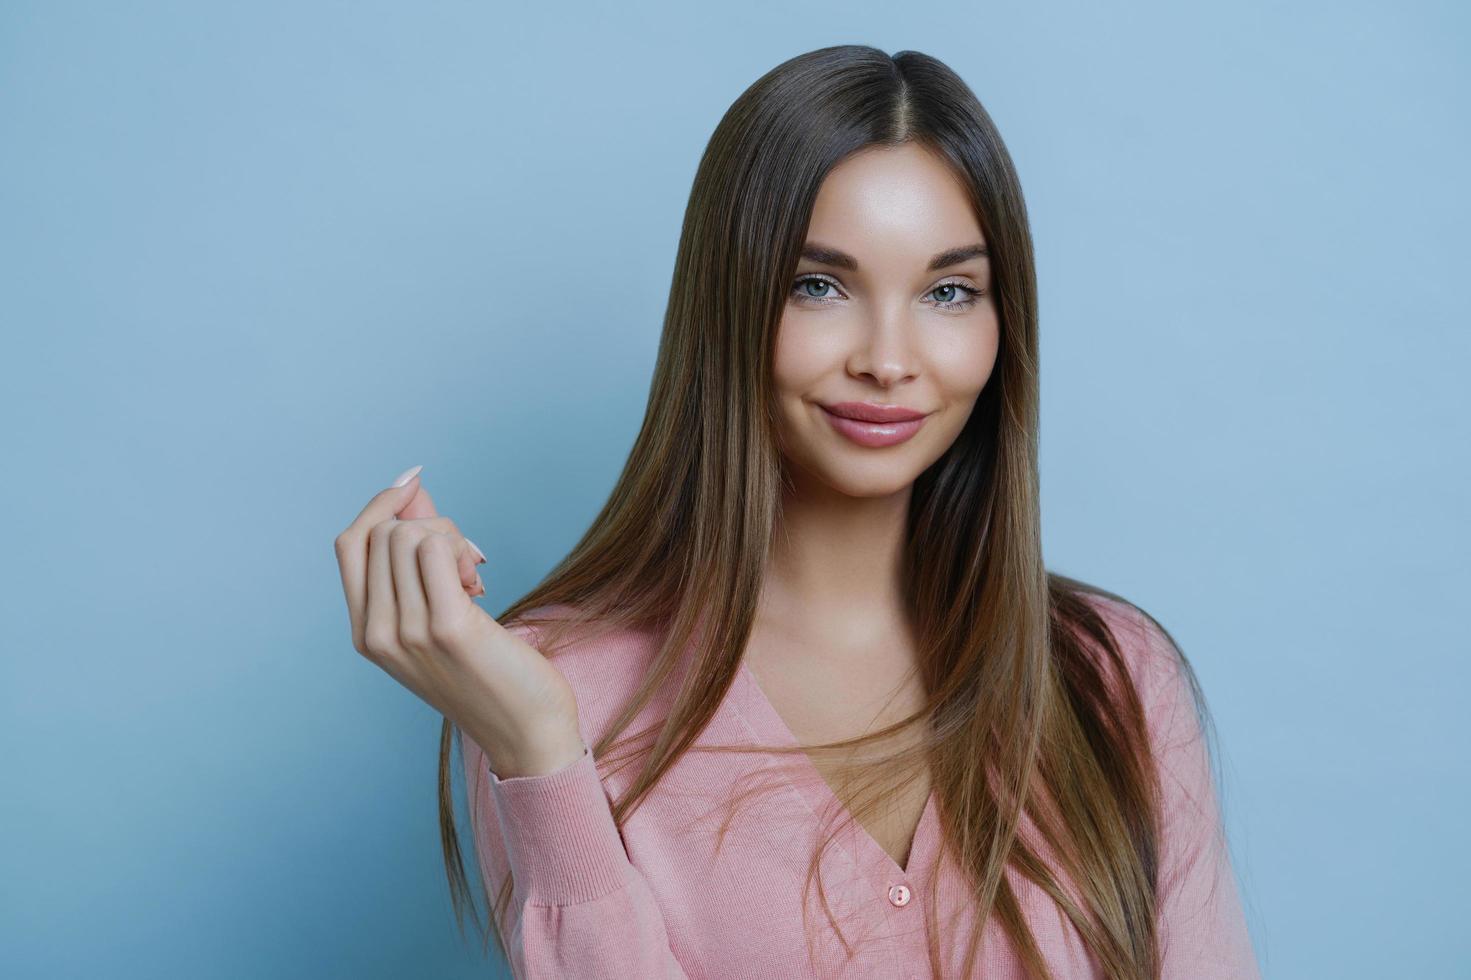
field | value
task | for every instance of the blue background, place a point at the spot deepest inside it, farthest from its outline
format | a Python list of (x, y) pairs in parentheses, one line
[(258, 259)]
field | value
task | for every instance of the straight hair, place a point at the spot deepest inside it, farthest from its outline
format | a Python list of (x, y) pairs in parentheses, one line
[(1031, 712)]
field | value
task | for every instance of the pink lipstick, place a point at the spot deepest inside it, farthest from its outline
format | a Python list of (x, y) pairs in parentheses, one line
[(874, 425)]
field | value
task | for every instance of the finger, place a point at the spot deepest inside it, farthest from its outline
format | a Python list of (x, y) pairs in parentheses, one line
[(380, 616), (413, 606), (467, 554), (468, 557), (351, 547), (480, 559), (388, 502), (446, 596), (419, 505), (405, 540)]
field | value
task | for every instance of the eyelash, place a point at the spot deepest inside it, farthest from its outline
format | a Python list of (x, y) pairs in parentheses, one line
[(975, 294)]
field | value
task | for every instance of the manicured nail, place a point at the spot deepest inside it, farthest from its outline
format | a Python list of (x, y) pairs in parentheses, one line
[(479, 588), (406, 476), (477, 551)]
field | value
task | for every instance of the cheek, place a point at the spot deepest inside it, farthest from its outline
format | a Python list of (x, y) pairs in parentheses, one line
[(801, 359), (966, 363)]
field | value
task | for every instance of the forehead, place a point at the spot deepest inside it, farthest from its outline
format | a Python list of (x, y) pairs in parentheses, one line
[(893, 204)]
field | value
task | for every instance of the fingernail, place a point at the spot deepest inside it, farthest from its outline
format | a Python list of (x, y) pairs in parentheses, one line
[(479, 587), (477, 550), (406, 476)]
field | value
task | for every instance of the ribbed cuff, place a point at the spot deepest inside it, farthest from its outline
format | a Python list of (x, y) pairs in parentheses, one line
[(561, 842)]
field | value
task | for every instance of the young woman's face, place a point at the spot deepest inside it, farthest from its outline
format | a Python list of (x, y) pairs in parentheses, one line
[(891, 330)]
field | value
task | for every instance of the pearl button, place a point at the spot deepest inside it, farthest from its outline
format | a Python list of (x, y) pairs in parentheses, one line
[(899, 895)]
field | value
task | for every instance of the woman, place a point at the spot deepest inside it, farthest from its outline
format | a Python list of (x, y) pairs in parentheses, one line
[(808, 657)]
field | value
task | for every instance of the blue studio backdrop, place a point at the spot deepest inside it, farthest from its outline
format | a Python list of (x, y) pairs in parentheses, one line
[(257, 259)]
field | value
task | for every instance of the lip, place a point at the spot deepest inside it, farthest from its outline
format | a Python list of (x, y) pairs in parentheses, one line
[(874, 426), (874, 412)]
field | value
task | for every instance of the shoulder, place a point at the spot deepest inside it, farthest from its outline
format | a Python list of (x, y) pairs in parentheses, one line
[(1156, 665), (1141, 638)]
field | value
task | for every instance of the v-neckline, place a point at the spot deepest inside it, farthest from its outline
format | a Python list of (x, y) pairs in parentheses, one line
[(758, 710)]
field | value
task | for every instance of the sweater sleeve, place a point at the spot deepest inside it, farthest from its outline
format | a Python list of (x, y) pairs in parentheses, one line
[(1203, 931), (578, 907)]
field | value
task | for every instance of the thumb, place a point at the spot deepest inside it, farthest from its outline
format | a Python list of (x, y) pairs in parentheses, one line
[(414, 502)]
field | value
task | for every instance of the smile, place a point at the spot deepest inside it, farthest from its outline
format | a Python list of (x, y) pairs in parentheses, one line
[(874, 435)]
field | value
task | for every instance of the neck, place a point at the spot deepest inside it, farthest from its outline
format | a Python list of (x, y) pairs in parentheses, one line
[(834, 566)]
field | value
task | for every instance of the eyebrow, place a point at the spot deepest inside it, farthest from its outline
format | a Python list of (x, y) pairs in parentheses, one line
[(827, 255)]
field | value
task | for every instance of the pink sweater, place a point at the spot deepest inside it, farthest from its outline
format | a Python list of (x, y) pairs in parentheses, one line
[(657, 901)]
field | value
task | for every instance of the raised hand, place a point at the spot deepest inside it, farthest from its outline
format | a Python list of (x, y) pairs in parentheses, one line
[(409, 577)]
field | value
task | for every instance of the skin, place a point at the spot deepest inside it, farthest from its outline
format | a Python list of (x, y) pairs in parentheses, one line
[(408, 575), (830, 599), (878, 334), (831, 647)]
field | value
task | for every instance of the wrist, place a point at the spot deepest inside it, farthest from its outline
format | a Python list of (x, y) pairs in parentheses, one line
[(538, 755)]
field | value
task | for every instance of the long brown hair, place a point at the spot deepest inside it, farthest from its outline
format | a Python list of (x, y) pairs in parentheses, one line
[(1024, 712)]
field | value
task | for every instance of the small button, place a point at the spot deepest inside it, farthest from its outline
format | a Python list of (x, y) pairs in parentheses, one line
[(899, 895)]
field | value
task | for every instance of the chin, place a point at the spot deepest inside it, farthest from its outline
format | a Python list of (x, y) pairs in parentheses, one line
[(879, 479)]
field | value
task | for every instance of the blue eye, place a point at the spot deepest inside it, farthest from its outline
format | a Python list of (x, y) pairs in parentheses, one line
[(975, 295), (812, 279), (801, 294)]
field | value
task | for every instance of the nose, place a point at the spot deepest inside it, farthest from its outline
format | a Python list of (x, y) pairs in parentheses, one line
[(884, 353)]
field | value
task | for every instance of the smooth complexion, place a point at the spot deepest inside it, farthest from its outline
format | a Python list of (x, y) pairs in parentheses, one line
[(831, 646)]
